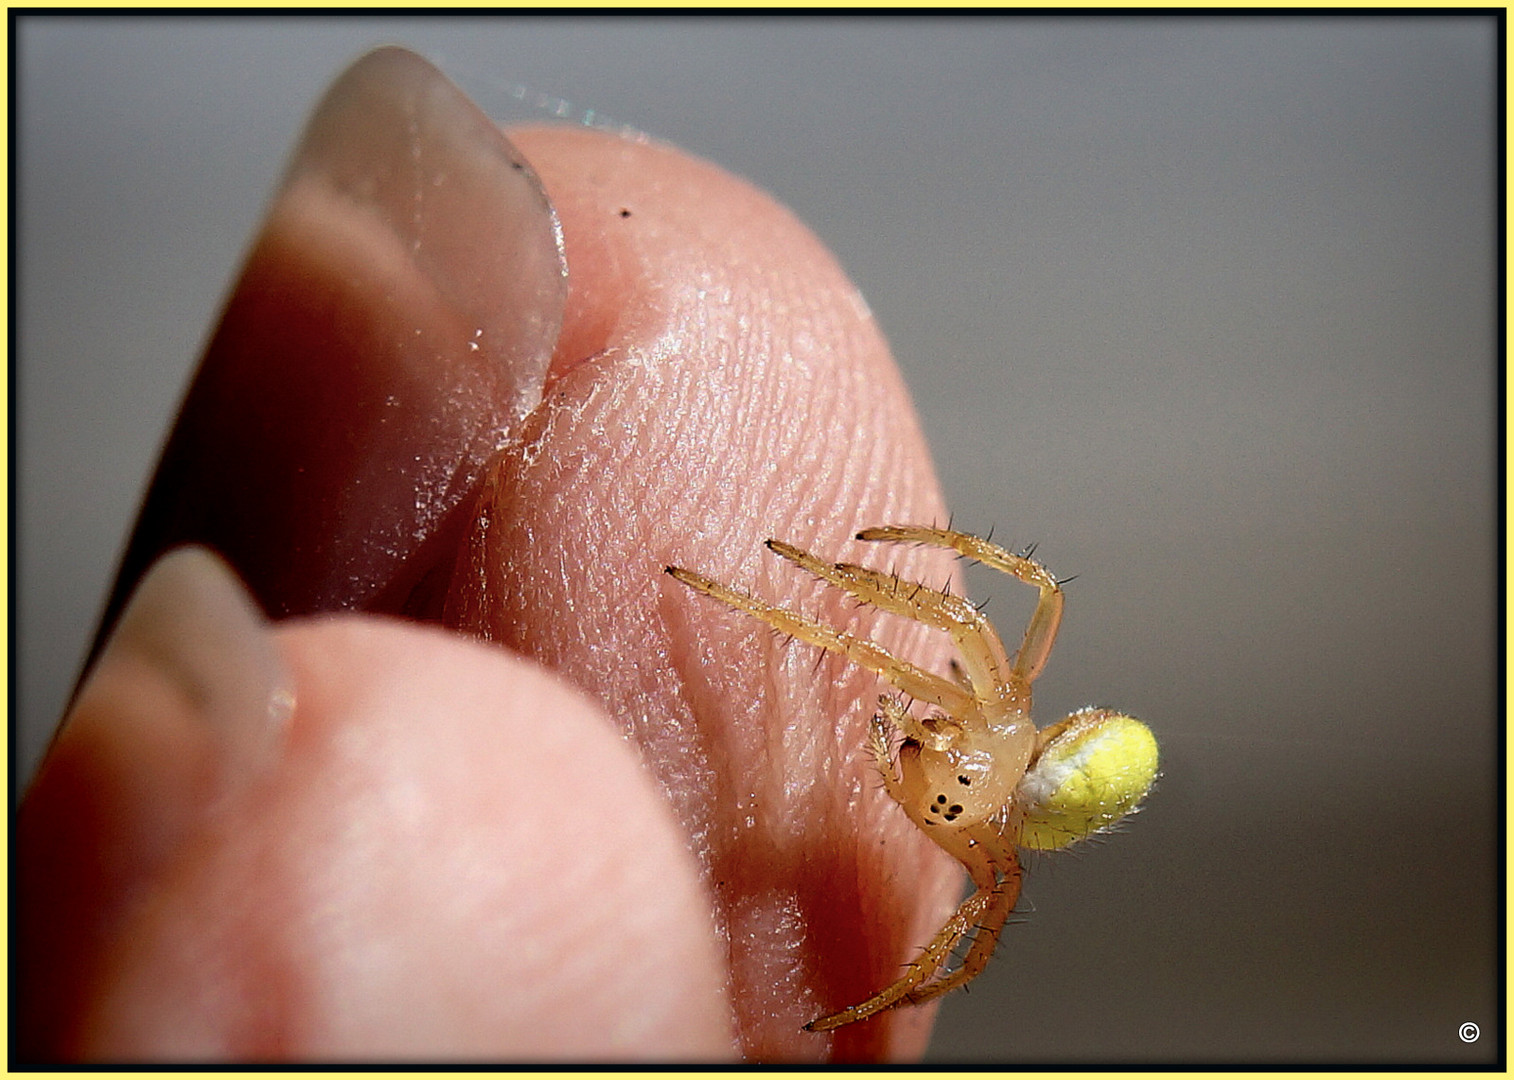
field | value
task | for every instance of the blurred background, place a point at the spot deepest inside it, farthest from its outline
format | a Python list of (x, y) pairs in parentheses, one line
[(1205, 306)]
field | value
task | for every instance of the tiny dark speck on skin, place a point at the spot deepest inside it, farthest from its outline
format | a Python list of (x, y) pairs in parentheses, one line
[(624, 212)]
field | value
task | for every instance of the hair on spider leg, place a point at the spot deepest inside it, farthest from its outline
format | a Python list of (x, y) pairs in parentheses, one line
[(786, 640), (855, 603), (980, 928)]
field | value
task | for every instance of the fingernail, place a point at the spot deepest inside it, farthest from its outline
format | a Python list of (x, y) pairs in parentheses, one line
[(391, 329), (397, 139), (194, 631), (185, 709)]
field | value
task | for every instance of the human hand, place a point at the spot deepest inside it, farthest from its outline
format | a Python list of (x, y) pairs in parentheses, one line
[(436, 849)]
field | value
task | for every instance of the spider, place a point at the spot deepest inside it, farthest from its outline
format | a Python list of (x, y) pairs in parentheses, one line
[(974, 773)]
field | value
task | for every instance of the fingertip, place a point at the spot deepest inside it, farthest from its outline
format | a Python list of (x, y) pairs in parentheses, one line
[(457, 857), (719, 381)]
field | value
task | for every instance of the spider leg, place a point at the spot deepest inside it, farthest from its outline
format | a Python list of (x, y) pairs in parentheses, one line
[(980, 910), (982, 652), (917, 971), (1042, 631), (914, 681), (1003, 897)]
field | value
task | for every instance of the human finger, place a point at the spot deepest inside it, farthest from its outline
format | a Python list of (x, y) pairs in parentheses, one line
[(719, 381), (347, 839), (390, 329)]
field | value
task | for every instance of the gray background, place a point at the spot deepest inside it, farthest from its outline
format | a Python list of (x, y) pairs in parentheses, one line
[(1204, 306)]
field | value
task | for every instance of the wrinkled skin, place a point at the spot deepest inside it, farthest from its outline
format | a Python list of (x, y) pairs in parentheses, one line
[(627, 824)]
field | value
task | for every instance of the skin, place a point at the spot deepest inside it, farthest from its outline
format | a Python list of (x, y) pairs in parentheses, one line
[(627, 824), (333, 887)]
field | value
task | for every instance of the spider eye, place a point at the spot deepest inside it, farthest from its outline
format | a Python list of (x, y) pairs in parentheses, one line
[(1094, 770)]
